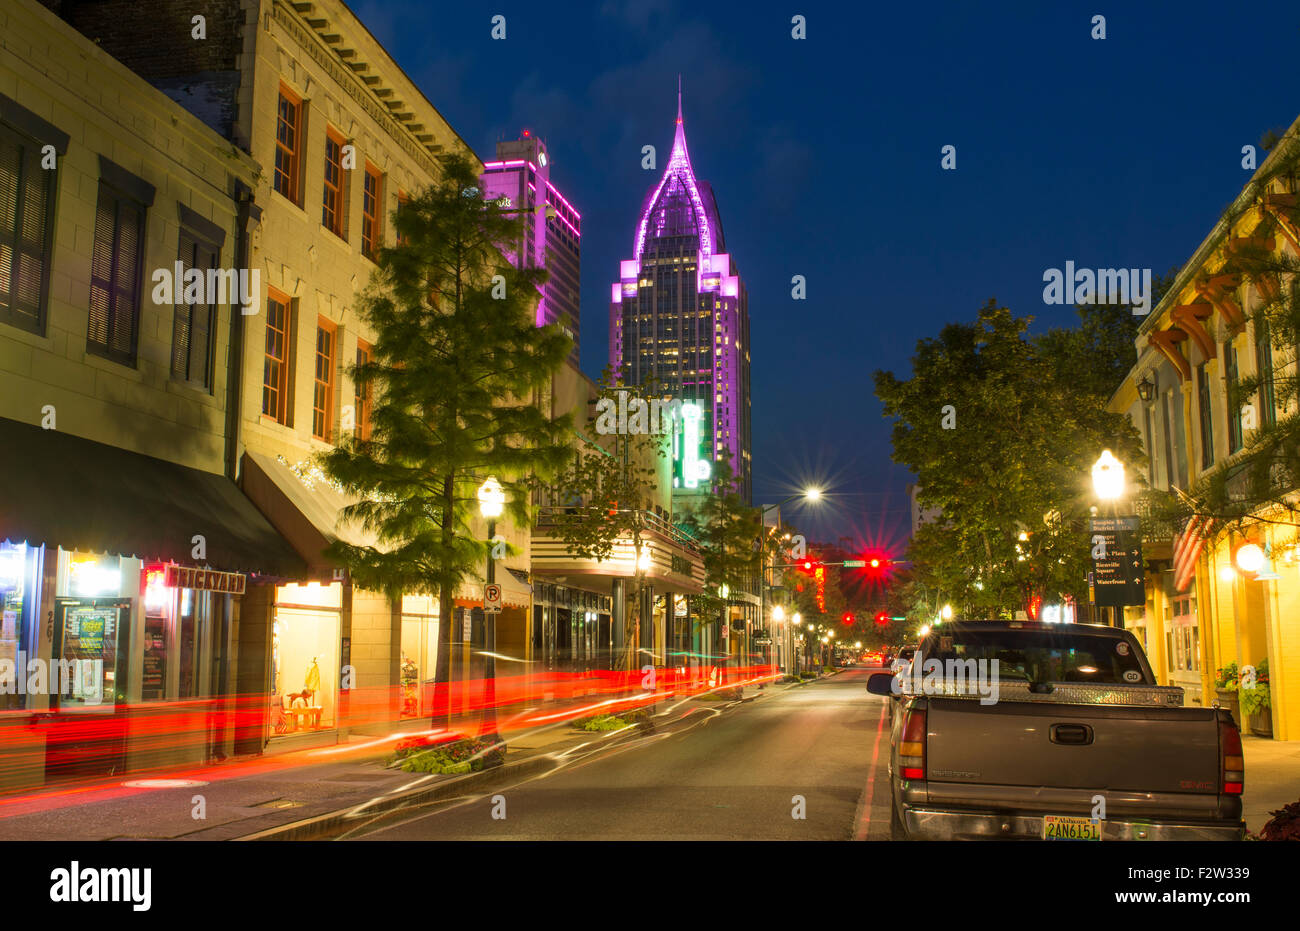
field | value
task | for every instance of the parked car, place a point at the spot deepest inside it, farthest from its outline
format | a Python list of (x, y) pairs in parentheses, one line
[(902, 659), (1068, 736)]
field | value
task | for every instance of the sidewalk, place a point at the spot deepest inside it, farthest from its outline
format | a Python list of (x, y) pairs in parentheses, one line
[(309, 789), (1272, 778)]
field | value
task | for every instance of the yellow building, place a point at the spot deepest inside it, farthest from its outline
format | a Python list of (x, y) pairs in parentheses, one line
[(127, 551), (1202, 337)]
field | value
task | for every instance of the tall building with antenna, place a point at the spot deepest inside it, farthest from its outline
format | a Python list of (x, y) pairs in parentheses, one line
[(552, 236), (679, 318)]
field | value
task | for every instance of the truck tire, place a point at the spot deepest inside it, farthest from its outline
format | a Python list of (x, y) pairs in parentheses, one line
[(897, 831)]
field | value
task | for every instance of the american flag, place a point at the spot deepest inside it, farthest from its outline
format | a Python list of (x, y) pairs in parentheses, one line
[(1187, 549)]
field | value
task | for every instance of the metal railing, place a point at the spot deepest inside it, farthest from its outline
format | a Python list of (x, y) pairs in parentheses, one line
[(652, 522)]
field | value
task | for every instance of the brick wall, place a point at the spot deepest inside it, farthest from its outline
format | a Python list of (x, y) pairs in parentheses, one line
[(154, 38)]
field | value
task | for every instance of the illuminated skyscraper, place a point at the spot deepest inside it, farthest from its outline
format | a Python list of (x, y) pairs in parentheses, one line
[(552, 236), (679, 317)]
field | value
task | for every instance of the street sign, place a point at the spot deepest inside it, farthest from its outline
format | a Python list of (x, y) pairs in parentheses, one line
[(1117, 577), (855, 564), (492, 598)]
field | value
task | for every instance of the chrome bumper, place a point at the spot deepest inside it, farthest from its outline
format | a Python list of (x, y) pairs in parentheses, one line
[(929, 824)]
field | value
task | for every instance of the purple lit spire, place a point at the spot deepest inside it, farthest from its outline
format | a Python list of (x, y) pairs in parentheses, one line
[(676, 205)]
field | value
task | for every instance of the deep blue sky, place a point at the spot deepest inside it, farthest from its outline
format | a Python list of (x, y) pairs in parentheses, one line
[(824, 156)]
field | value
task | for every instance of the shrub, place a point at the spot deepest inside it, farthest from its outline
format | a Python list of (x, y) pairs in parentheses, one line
[(1284, 825), (600, 722), (1257, 700), (453, 757)]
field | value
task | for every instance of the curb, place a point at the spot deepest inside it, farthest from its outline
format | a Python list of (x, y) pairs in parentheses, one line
[(335, 823)]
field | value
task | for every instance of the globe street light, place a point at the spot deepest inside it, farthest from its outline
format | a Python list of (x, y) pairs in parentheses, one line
[(491, 502), (1108, 477)]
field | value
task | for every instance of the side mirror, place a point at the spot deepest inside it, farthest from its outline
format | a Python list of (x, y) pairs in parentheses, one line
[(881, 683)]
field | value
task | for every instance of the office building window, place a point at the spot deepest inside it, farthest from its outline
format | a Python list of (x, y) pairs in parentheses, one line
[(362, 395), (333, 199), (1207, 416), (323, 395), (195, 324), (116, 264), (275, 378), (1264, 368), (288, 145), (26, 221), (1231, 398), (371, 201)]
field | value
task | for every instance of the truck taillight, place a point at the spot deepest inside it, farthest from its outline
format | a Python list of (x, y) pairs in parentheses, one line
[(1234, 763), (911, 749)]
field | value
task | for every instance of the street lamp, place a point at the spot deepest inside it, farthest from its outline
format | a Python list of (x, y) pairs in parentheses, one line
[(946, 613), (810, 494), (1250, 558), (491, 502), (1108, 477)]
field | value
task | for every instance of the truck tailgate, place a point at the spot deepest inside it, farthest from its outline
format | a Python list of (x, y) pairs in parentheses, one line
[(1131, 751)]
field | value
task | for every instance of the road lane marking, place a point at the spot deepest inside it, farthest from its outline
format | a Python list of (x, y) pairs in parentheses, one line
[(864, 822)]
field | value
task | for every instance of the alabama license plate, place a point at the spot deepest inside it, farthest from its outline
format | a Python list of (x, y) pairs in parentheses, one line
[(1056, 827)]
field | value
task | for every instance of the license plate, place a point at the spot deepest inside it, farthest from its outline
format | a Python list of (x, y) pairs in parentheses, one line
[(1056, 827)]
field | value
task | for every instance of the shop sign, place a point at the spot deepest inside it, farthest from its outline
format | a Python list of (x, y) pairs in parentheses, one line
[(205, 580)]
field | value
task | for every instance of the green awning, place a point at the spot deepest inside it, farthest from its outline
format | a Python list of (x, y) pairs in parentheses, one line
[(63, 490)]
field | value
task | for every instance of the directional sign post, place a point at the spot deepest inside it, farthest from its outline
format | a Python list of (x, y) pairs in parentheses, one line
[(492, 598), (1117, 578)]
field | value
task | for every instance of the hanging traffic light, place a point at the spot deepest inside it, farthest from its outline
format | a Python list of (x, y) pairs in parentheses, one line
[(848, 618), (882, 618)]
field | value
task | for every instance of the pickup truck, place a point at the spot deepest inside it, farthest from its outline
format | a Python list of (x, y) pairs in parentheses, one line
[(1007, 729)]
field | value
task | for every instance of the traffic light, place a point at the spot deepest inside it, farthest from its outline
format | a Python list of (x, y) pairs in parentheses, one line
[(882, 618), (848, 618)]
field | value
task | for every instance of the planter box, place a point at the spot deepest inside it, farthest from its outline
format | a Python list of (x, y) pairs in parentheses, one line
[(1230, 699), (1261, 723)]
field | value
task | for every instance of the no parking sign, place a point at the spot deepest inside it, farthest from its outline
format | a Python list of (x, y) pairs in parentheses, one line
[(492, 598)]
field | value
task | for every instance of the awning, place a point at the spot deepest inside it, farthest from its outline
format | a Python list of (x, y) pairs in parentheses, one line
[(63, 490), (306, 509), (306, 514)]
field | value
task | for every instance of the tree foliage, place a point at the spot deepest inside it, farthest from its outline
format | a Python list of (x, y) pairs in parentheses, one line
[(453, 373), (1001, 431)]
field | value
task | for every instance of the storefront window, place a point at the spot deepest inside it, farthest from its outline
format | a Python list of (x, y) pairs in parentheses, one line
[(92, 623), (19, 602), (419, 650), (305, 640)]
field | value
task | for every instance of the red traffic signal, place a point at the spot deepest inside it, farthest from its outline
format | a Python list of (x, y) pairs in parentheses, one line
[(882, 618), (848, 617)]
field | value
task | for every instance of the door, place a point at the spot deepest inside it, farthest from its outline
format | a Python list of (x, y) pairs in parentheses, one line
[(87, 684)]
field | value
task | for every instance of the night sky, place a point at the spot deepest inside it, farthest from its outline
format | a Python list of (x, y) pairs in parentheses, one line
[(824, 155)]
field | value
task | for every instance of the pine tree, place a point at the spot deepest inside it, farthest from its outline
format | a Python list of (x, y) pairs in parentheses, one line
[(455, 369)]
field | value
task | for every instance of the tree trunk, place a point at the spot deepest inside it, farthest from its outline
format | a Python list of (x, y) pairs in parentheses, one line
[(446, 601)]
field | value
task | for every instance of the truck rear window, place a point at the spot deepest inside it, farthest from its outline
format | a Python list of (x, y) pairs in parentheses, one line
[(1043, 655)]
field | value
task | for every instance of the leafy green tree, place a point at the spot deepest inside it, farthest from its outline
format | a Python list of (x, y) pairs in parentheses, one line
[(730, 533), (454, 369), (604, 495), (1001, 435)]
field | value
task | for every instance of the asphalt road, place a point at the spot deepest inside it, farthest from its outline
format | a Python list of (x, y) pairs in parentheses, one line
[(734, 775)]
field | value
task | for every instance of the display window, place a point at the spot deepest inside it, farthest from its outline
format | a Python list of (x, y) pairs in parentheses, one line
[(305, 643), (419, 652), (20, 576), (90, 652)]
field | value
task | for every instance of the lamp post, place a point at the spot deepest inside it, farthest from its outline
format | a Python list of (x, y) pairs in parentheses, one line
[(811, 495), (1108, 483), (491, 501)]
